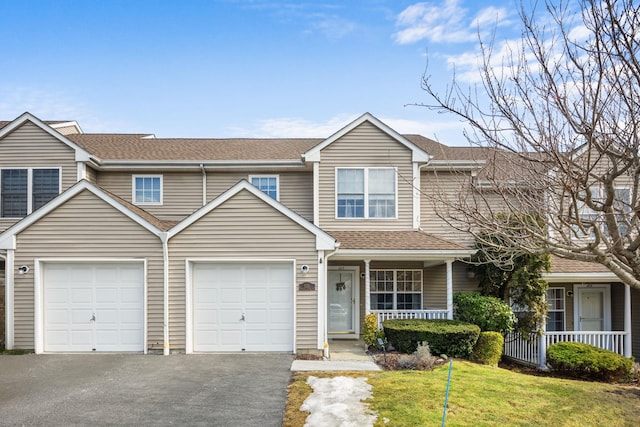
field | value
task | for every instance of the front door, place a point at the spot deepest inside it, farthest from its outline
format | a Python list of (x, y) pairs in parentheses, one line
[(592, 308), (342, 297)]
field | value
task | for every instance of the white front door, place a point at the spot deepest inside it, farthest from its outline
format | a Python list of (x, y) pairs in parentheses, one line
[(592, 309), (342, 297)]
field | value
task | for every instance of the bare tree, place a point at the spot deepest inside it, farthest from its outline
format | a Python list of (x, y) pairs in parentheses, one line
[(557, 120)]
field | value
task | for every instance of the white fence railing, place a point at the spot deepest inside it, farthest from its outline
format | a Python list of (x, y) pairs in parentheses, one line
[(527, 349), (409, 314)]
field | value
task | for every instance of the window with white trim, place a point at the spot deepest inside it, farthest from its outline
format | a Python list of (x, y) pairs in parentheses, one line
[(24, 190), (147, 189), (590, 218), (396, 289), (366, 193), (555, 309), (268, 184)]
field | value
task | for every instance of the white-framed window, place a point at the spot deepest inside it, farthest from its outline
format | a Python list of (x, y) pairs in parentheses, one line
[(590, 218), (555, 310), (23, 190), (147, 189), (396, 289), (366, 192), (268, 184)]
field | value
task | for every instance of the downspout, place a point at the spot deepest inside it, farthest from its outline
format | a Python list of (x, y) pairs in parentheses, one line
[(322, 302), (165, 258), (204, 184)]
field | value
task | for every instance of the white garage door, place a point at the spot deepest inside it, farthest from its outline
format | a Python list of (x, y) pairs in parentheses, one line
[(93, 307), (238, 307)]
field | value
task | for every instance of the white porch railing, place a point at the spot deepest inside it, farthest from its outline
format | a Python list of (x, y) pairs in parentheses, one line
[(528, 351), (409, 314)]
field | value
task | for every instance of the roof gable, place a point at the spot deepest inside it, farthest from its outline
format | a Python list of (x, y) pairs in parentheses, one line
[(8, 237), (323, 240), (417, 153), (81, 155)]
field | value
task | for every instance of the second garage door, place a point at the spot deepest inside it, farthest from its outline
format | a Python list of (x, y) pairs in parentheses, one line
[(242, 306)]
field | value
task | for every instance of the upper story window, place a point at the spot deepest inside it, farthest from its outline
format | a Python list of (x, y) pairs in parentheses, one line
[(590, 218), (268, 184), (25, 190), (366, 193), (147, 189)]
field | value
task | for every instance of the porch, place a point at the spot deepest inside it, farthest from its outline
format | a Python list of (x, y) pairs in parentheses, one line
[(532, 350)]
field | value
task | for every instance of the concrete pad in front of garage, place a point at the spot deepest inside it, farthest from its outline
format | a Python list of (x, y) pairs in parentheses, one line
[(117, 389)]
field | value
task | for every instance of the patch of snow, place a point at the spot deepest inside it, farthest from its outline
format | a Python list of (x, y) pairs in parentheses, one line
[(337, 402)]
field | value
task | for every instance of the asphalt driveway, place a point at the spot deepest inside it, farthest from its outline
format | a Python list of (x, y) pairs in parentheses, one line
[(101, 389)]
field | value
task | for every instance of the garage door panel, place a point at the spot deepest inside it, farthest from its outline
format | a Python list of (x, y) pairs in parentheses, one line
[(232, 290), (93, 306)]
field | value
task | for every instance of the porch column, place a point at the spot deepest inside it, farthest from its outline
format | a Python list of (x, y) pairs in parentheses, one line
[(367, 287), (627, 321), (542, 346), (449, 289)]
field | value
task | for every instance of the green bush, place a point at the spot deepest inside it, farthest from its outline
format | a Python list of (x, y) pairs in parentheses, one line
[(586, 361), (488, 349), (489, 313), (370, 331), (451, 337)]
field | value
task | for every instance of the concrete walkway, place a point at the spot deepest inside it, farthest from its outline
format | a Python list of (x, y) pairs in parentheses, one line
[(344, 355)]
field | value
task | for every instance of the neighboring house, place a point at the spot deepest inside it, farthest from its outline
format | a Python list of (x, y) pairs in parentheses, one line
[(127, 242)]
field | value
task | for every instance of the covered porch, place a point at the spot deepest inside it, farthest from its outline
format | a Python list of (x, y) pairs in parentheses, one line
[(587, 304), (393, 274)]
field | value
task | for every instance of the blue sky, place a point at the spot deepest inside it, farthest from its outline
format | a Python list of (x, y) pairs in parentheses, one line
[(233, 68)]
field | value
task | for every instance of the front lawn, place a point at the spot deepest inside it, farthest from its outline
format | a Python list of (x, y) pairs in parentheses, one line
[(482, 395)]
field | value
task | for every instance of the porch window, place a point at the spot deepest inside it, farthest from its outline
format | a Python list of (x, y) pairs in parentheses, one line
[(25, 190), (556, 310), (366, 193), (396, 289)]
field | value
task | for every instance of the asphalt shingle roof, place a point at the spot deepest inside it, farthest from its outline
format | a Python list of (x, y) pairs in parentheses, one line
[(392, 240)]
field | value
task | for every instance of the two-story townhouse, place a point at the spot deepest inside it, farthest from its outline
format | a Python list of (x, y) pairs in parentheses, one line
[(128, 242)]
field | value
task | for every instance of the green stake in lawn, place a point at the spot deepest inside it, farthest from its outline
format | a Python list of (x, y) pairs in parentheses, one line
[(446, 395)]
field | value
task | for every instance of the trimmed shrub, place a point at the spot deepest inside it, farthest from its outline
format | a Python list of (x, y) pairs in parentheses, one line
[(488, 349), (586, 361), (370, 331), (451, 337), (489, 313)]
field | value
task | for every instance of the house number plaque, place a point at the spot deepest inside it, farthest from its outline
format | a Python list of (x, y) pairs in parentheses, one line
[(307, 286)]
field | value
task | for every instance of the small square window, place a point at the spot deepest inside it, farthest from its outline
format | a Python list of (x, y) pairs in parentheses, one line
[(268, 184), (147, 189)]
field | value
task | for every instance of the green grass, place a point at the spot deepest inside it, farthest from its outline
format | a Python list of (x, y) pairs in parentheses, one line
[(486, 396)]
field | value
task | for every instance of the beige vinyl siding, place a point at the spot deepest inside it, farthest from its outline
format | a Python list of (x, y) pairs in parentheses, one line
[(67, 130), (434, 186), (182, 191), (92, 175), (435, 284), (296, 188), (365, 146), (87, 227), (28, 146), (244, 227)]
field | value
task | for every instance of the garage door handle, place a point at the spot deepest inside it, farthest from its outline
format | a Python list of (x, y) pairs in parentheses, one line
[(93, 318), (242, 318)]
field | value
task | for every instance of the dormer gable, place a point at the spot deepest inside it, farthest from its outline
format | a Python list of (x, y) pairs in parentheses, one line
[(417, 154), (81, 155)]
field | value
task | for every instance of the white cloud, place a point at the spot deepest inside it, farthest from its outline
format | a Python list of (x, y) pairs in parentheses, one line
[(446, 22), (448, 132)]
